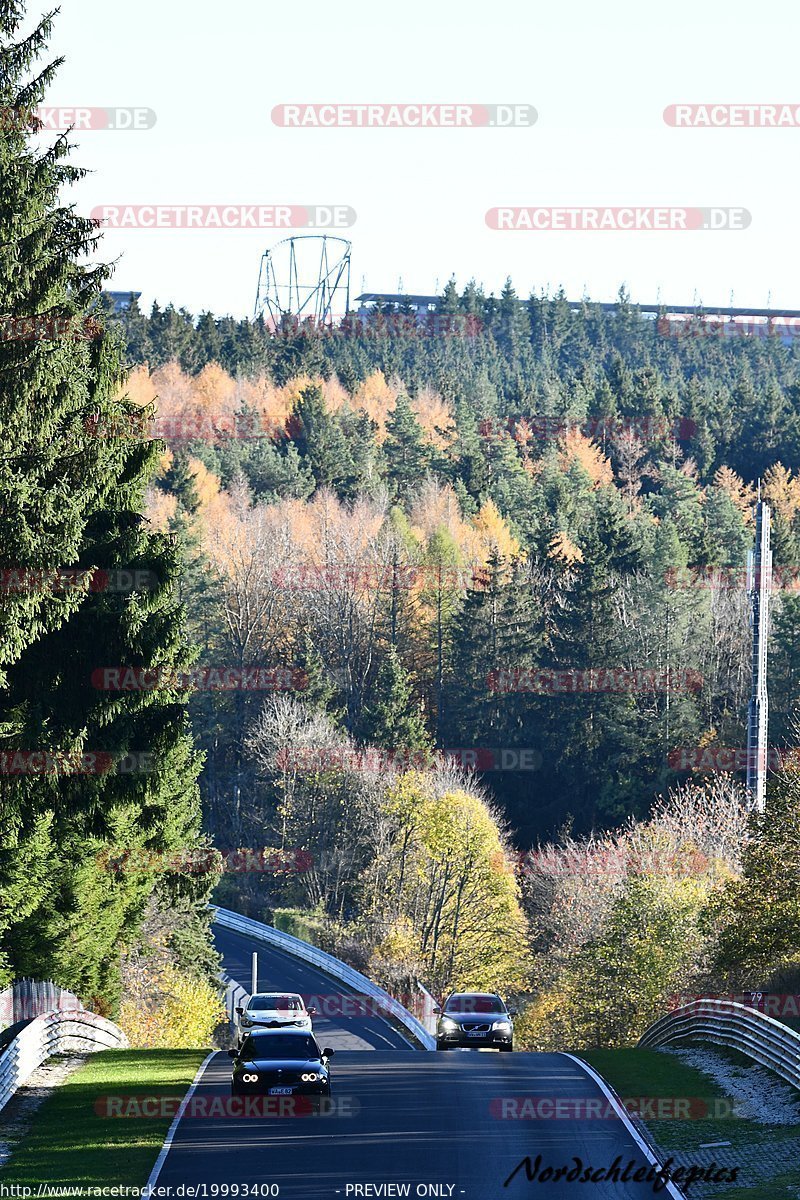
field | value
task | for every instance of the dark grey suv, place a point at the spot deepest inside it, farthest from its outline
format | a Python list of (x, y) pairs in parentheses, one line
[(474, 1019)]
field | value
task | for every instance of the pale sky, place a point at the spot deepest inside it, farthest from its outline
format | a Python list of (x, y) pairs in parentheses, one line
[(599, 76)]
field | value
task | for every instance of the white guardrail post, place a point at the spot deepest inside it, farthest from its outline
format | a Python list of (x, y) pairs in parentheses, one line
[(727, 1023), (53, 1033), (330, 966)]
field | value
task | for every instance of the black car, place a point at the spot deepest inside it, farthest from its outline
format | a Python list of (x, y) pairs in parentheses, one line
[(474, 1019), (281, 1063)]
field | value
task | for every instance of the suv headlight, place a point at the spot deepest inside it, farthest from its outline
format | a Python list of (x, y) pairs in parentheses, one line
[(447, 1025), (245, 1022)]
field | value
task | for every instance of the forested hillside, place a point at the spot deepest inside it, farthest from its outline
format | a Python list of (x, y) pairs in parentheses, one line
[(492, 570), (518, 488)]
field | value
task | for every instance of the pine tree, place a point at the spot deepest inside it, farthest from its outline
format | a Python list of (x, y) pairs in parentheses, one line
[(333, 459), (180, 480), (440, 596), (393, 719), (319, 691), (72, 499), (407, 455), (497, 635), (588, 727), (784, 671)]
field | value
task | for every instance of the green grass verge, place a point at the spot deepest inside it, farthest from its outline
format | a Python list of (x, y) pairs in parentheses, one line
[(636, 1073), (69, 1143), (783, 1188)]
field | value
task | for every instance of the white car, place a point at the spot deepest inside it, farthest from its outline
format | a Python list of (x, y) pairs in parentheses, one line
[(275, 1010)]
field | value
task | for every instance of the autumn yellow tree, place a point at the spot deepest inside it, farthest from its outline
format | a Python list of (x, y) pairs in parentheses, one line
[(440, 873)]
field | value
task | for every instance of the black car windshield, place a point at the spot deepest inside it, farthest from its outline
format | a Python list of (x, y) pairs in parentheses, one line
[(464, 1003), (267, 1003), (279, 1045)]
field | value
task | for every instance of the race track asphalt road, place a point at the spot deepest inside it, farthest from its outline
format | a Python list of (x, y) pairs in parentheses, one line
[(400, 1116)]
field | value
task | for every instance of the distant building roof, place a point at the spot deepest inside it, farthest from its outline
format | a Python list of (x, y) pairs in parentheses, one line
[(122, 300), (707, 310), (398, 298)]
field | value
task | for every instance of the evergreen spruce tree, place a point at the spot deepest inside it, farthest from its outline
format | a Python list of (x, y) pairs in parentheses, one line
[(588, 728), (71, 500), (393, 719), (333, 458), (407, 455), (320, 690), (497, 636)]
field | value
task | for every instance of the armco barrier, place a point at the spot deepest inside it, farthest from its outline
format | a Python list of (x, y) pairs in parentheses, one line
[(330, 965), (53, 1033), (727, 1023), (27, 998), (235, 996)]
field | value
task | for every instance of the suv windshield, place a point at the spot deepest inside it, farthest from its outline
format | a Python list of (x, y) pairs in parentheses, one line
[(279, 1045), (464, 1003), (269, 1003)]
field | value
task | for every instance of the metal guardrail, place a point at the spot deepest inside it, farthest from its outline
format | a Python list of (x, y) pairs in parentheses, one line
[(726, 1023), (27, 998), (235, 995), (429, 1006), (330, 965), (53, 1033)]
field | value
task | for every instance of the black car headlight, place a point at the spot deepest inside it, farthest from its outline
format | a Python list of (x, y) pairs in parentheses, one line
[(249, 1077), (448, 1026), (311, 1077)]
